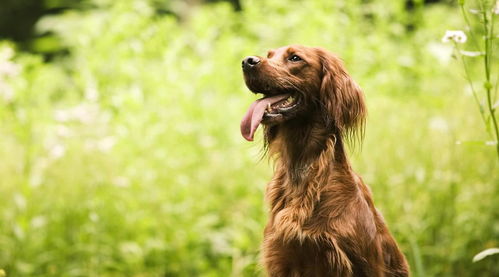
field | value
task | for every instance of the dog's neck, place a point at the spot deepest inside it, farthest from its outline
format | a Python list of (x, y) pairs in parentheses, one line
[(301, 147)]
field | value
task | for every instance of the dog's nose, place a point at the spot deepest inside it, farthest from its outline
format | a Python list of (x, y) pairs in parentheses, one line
[(250, 62)]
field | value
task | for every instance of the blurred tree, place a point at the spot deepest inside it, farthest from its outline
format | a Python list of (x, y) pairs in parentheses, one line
[(415, 11), (235, 3), (17, 18)]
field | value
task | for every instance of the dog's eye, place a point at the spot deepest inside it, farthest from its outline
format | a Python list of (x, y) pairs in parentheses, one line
[(294, 58)]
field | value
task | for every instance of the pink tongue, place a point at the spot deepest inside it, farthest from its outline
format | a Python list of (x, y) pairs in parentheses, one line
[(254, 115)]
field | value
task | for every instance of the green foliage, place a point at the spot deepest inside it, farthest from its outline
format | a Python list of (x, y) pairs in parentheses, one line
[(482, 42), (125, 158)]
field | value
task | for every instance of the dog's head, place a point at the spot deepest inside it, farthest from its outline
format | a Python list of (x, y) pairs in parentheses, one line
[(300, 82)]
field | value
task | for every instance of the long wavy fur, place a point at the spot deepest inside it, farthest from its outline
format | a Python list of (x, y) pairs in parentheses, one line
[(322, 219)]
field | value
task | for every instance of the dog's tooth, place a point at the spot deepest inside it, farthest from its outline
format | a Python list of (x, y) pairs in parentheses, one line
[(268, 107)]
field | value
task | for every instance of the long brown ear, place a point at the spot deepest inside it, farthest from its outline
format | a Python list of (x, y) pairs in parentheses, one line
[(342, 98)]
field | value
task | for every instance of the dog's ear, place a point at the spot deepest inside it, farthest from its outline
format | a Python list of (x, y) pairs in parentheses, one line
[(342, 97)]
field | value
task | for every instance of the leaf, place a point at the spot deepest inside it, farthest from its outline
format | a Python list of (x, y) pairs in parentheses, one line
[(470, 142), (487, 85), (487, 252), (471, 53)]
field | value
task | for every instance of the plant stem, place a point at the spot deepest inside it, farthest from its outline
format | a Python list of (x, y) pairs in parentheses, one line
[(488, 85), (470, 29), (468, 78)]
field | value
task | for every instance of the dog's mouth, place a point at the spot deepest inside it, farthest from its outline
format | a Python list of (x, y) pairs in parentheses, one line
[(281, 106), (269, 110)]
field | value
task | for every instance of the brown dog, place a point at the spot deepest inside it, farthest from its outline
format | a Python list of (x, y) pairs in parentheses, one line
[(322, 218)]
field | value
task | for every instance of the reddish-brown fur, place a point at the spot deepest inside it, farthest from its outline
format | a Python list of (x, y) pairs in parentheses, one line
[(322, 219)]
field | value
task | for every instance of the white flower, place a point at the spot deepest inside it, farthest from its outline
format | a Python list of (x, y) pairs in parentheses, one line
[(20, 201), (490, 143), (8, 68), (38, 221), (441, 52), (84, 113), (57, 151), (106, 144), (91, 94), (63, 131), (439, 124), (102, 145), (6, 53), (93, 217), (62, 115), (456, 36), (6, 91), (121, 181)]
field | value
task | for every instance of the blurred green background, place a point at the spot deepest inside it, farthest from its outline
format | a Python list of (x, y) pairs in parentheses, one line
[(120, 151)]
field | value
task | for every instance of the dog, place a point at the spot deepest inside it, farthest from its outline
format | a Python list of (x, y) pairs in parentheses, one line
[(322, 219)]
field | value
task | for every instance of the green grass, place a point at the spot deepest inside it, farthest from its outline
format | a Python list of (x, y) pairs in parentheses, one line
[(125, 158)]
